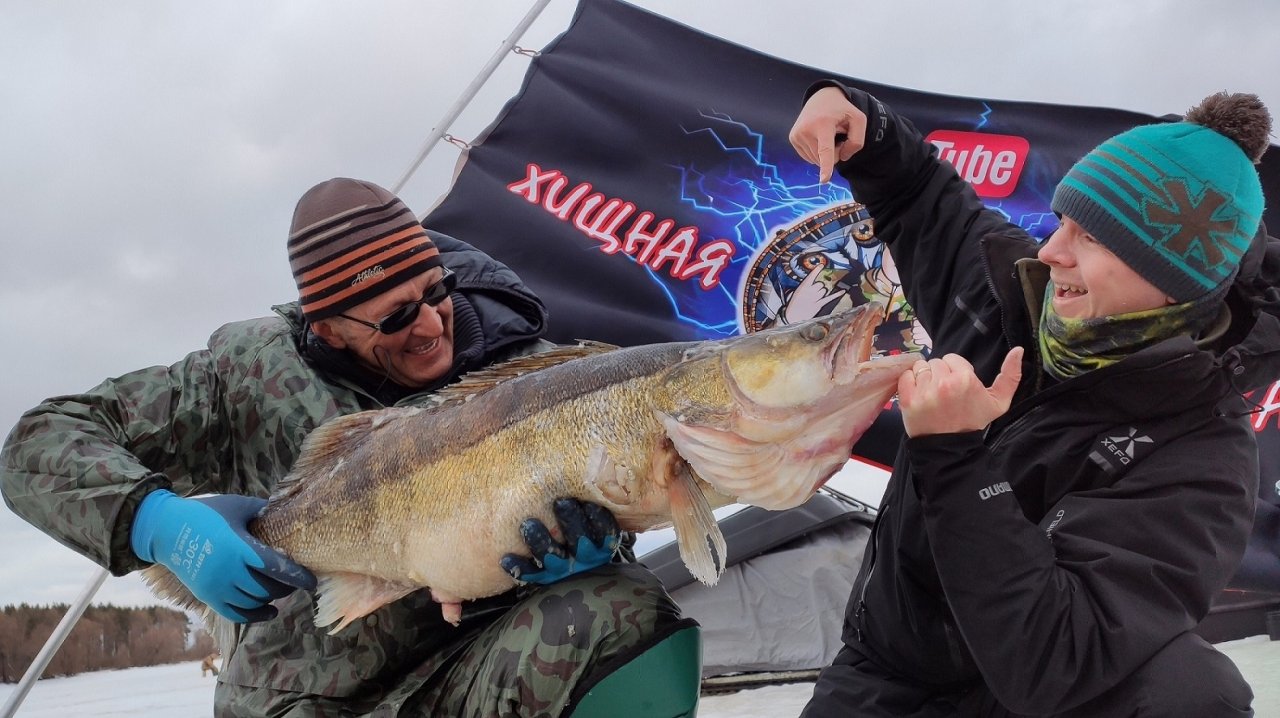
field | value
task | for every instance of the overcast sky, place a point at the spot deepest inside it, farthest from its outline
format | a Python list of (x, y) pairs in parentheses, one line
[(151, 153)]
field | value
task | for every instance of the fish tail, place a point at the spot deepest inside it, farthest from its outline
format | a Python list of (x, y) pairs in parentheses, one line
[(702, 546), (166, 586)]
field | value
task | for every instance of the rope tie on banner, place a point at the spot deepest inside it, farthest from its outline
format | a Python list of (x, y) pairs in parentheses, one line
[(456, 141), (438, 132), (525, 51)]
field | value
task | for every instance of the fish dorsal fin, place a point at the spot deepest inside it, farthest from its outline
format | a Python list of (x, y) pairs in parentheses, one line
[(325, 446), (482, 380)]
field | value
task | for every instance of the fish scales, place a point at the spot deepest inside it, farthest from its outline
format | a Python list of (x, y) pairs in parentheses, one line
[(384, 502), (529, 442)]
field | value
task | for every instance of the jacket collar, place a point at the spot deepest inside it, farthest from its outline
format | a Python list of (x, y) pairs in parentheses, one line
[(493, 310), (1018, 281)]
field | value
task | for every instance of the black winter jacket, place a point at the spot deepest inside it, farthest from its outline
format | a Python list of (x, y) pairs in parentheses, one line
[(1053, 554)]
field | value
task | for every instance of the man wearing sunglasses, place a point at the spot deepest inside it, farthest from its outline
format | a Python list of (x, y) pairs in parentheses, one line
[(388, 313)]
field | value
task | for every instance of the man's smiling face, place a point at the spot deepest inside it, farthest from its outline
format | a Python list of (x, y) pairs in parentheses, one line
[(413, 357), (1089, 281)]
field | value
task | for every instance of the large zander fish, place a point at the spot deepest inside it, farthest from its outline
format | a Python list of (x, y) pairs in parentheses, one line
[(385, 502)]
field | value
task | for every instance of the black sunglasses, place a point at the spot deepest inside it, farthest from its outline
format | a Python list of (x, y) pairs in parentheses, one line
[(408, 313)]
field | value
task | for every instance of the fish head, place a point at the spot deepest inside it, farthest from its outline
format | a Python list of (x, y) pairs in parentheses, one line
[(801, 396), (800, 364)]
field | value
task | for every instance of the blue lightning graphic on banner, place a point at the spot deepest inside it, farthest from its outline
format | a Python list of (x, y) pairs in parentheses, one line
[(986, 115), (743, 197)]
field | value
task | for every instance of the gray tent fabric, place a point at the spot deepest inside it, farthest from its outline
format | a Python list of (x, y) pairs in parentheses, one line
[(782, 610)]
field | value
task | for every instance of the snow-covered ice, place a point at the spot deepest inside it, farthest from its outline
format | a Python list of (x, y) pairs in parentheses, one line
[(178, 690), (1258, 658), (153, 692)]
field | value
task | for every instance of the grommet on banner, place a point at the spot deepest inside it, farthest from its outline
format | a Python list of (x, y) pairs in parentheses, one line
[(459, 143), (525, 51)]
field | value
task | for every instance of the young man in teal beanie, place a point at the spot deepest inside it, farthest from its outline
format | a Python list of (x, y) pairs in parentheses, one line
[(1079, 474)]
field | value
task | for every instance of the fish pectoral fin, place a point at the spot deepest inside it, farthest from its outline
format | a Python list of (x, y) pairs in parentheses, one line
[(344, 597), (166, 585), (698, 536), (730, 462)]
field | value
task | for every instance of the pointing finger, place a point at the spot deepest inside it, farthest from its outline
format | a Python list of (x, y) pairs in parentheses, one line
[(804, 140), (826, 155), (906, 388), (938, 368), (518, 566)]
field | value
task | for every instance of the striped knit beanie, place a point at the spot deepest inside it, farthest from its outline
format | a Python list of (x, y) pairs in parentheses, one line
[(351, 241), (1178, 202)]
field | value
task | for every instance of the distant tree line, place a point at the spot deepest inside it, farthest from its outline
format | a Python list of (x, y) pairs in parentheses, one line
[(105, 637)]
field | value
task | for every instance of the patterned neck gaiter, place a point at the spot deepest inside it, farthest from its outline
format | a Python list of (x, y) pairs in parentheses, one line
[(1071, 347)]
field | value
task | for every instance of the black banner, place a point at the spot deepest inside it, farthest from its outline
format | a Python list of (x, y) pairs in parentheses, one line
[(643, 185)]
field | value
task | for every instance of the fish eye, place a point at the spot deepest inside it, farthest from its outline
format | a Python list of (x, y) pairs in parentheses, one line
[(815, 332)]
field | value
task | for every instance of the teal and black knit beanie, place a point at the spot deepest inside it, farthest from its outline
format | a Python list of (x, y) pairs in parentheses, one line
[(1178, 202)]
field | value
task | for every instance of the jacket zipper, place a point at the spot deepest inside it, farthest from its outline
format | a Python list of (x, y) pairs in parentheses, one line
[(991, 287), (860, 610), (953, 641)]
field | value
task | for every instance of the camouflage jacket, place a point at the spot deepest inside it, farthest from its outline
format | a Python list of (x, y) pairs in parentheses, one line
[(229, 418)]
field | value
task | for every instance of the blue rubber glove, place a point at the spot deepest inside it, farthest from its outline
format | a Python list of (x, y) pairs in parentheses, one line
[(591, 535), (206, 543)]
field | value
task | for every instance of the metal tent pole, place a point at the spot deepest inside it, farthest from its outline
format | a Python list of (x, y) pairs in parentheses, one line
[(51, 646), (468, 94)]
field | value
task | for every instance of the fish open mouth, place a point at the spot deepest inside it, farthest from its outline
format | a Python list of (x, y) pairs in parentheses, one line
[(856, 340), (775, 450)]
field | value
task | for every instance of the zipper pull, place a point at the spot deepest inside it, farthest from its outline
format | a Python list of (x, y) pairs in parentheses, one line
[(857, 619)]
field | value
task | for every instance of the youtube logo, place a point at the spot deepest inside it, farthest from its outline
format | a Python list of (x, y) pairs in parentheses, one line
[(991, 163)]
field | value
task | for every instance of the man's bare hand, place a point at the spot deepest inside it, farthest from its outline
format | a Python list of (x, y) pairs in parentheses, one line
[(945, 396), (828, 113)]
